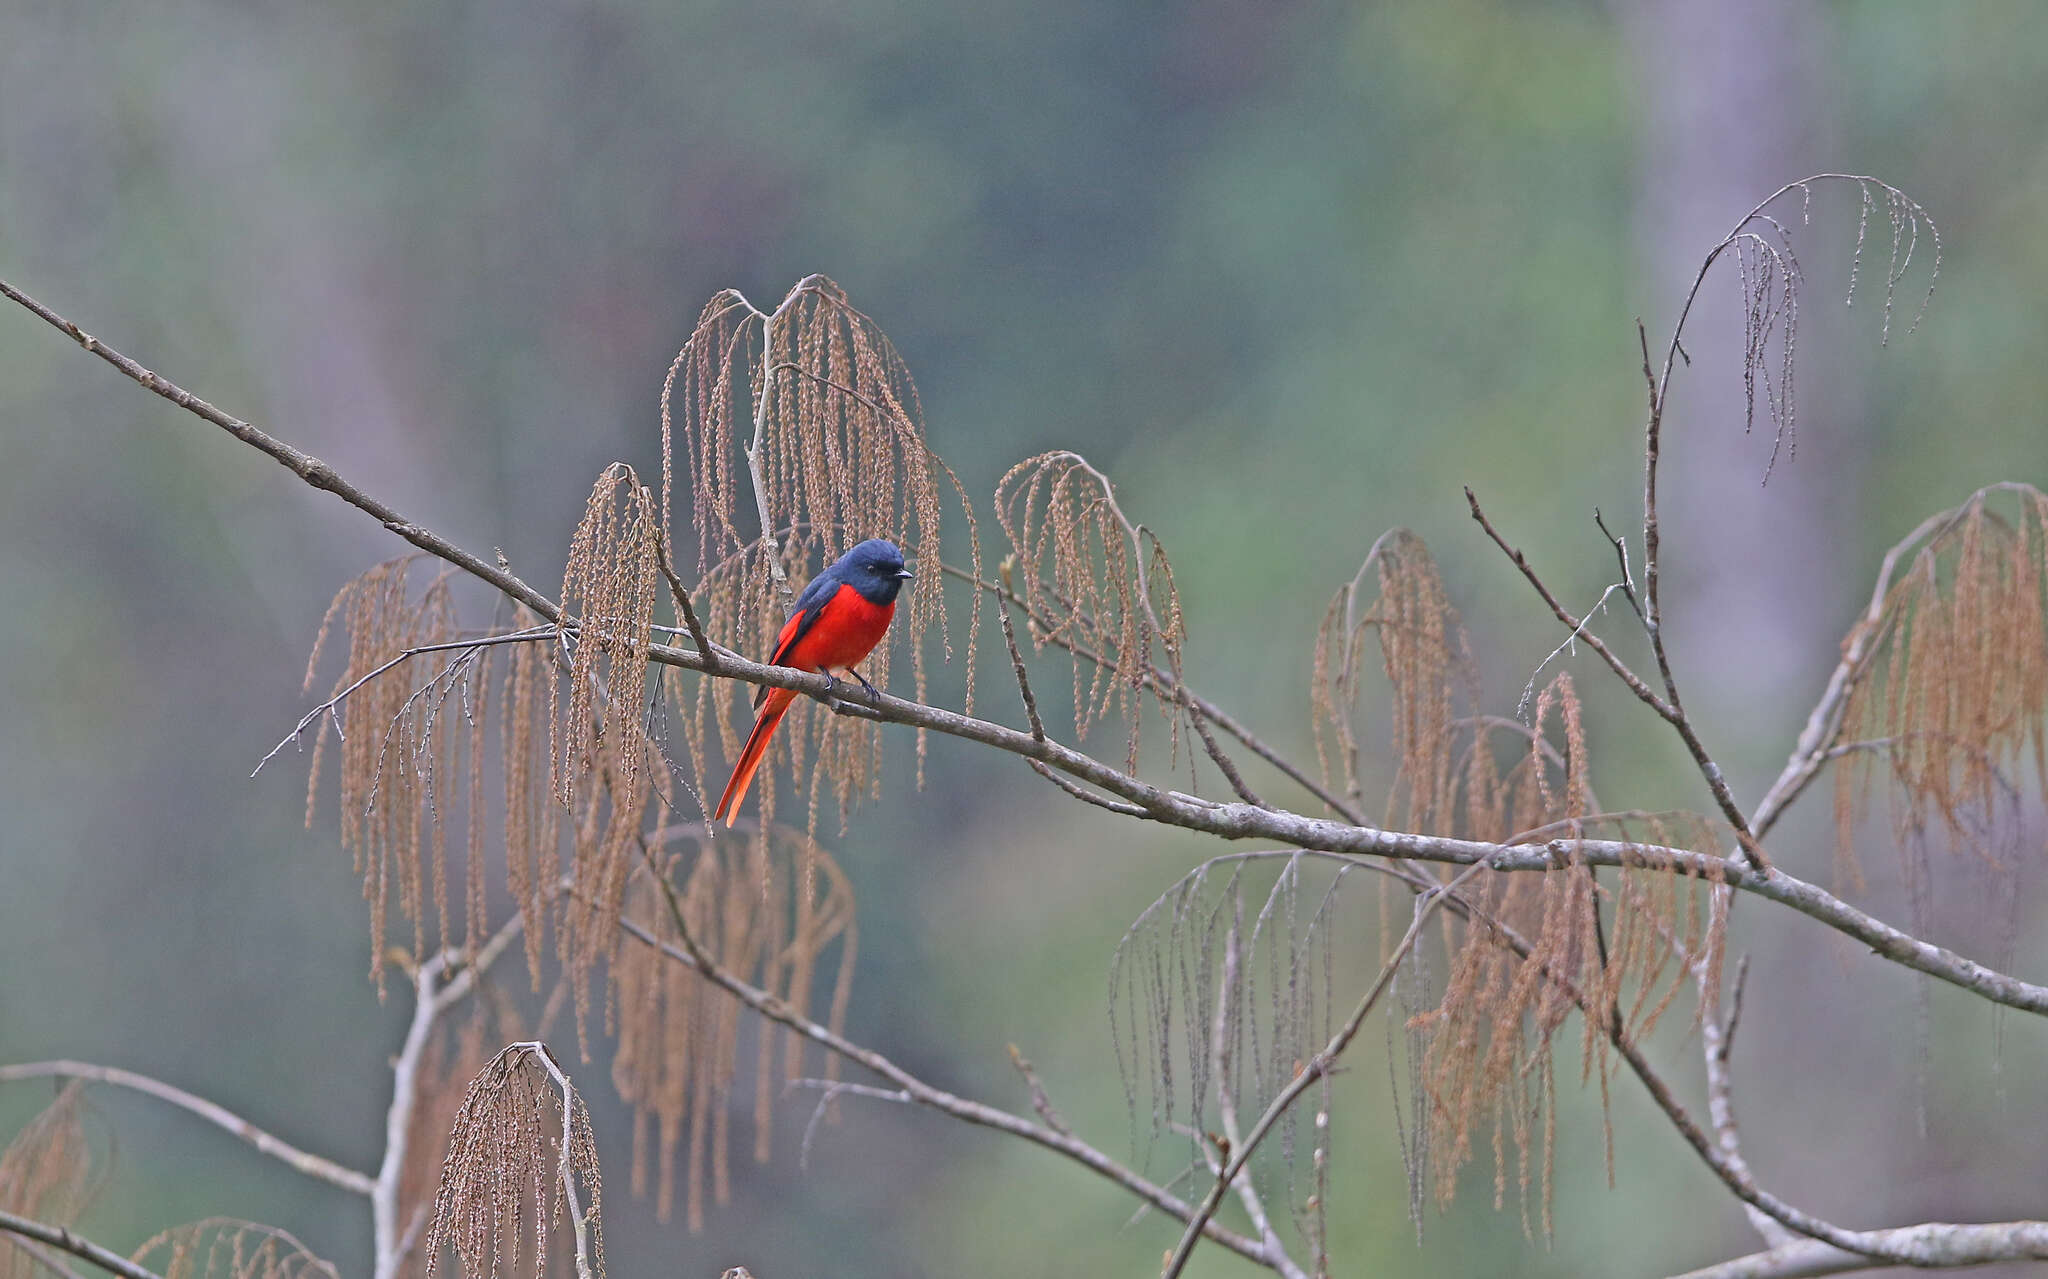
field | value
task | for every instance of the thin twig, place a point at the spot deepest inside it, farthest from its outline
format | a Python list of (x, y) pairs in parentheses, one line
[(1162, 681), (1574, 625), (1017, 665), (1628, 581), (830, 1090), (332, 705), (1577, 633), (1216, 754), (1040, 1101), (537, 1051), (1652, 615), (1086, 796), (1666, 705), (759, 443), (1658, 386), (681, 596)]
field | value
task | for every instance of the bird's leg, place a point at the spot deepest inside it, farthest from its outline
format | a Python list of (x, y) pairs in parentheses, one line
[(874, 694)]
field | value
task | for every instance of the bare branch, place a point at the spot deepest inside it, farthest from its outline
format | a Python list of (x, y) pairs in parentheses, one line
[(1716, 1041), (220, 1116), (1223, 762), (924, 1094), (1930, 1245), (310, 469), (1628, 581), (1578, 632), (1233, 821), (759, 442), (1658, 387), (578, 1222), (59, 1237), (431, 998)]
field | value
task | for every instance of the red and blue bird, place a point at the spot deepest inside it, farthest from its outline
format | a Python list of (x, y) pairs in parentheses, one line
[(839, 619)]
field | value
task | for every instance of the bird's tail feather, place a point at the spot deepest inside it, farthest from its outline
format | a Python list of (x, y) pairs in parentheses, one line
[(772, 710)]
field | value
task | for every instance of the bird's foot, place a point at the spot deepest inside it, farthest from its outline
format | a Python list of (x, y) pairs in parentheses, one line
[(874, 694)]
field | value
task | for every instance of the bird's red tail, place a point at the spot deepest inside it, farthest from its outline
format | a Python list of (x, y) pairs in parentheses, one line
[(772, 710)]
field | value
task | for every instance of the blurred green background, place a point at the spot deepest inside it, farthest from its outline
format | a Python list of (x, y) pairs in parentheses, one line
[(1292, 272)]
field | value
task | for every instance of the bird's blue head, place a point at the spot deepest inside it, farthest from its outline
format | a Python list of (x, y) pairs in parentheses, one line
[(875, 569)]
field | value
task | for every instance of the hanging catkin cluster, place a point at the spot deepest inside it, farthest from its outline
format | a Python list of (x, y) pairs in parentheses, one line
[(1522, 951), (1771, 279), (1098, 585), (413, 708), (227, 1248), (398, 776), (1951, 696), (456, 1056), (803, 435), (766, 908), (1219, 991), (1532, 950), (1427, 664), (502, 1181), (603, 765), (46, 1175)]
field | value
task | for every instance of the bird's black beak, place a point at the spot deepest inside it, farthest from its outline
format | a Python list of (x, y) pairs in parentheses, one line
[(904, 572)]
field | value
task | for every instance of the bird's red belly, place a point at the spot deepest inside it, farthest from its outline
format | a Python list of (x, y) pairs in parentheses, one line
[(848, 631)]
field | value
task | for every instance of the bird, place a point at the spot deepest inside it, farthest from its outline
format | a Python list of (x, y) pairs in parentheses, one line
[(838, 620)]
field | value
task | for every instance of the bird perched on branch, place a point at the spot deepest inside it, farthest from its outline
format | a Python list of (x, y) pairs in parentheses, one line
[(839, 619)]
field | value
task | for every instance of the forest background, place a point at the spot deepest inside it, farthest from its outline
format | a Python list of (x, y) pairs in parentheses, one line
[(1291, 273)]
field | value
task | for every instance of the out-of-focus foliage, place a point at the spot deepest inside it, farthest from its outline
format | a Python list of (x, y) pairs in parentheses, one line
[(1290, 273)]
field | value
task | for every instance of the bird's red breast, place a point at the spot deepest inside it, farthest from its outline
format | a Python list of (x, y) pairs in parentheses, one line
[(847, 630)]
